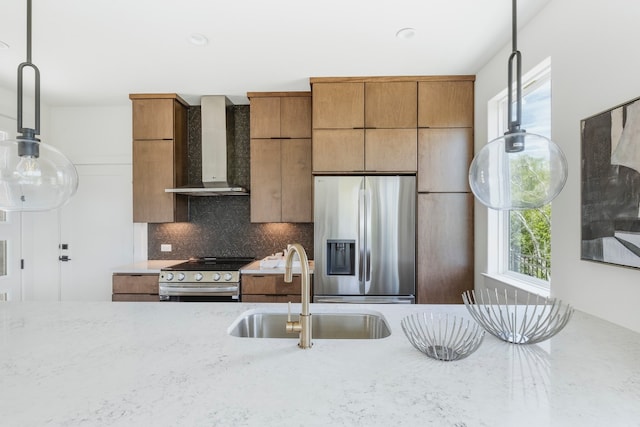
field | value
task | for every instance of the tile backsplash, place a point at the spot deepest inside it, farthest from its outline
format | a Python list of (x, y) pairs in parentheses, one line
[(221, 226)]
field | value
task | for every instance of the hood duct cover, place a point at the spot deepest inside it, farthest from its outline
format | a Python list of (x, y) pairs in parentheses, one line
[(217, 135)]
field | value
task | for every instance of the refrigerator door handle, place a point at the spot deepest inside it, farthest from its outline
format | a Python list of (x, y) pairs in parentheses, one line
[(368, 238), (361, 241)]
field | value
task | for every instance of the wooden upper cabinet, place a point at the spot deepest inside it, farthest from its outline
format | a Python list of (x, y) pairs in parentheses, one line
[(266, 182), (159, 157), (297, 181), (280, 114), (338, 105), (281, 180), (445, 103), (338, 150), (295, 116), (390, 150), (264, 115), (444, 157), (391, 105)]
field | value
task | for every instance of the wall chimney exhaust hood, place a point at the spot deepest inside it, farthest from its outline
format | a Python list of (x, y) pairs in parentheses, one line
[(217, 134)]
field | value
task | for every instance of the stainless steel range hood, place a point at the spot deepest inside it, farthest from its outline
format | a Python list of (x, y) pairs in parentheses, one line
[(217, 134)]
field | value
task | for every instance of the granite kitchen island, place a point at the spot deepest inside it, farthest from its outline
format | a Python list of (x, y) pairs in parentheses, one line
[(174, 364)]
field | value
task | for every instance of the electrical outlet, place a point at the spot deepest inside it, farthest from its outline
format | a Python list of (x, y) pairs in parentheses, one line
[(4, 296), (165, 247)]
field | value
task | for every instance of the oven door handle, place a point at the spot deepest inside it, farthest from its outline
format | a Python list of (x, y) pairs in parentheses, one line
[(198, 289)]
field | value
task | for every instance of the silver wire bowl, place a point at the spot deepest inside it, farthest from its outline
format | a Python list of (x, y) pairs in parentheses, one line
[(442, 337), (536, 320)]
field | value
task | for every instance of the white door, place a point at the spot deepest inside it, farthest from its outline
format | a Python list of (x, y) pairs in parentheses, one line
[(10, 256), (10, 241), (96, 225), (98, 229)]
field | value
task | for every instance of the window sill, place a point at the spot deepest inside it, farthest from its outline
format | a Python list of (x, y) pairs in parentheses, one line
[(533, 288)]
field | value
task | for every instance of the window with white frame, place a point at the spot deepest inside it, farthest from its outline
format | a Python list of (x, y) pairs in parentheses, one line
[(520, 240)]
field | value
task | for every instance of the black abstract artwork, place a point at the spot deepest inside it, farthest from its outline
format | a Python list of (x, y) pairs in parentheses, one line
[(611, 186)]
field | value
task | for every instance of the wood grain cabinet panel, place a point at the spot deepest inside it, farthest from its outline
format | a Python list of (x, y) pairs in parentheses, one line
[(270, 288), (390, 150), (445, 103), (391, 105), (297, 181), (281, 180), (265, 117), (386, 110), (159, 157), (135, 287), (445, 247), (338, 105), (266, 185), (444, 157), (340, 150)]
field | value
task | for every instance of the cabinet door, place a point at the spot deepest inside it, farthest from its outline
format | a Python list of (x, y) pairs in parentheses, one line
[(295, 116), (340, 150), (338, 105), (390, 150), (445, 104), (266, 187), (135, 284), (297, 201), (445, 247), (444, 157), (391, 105), (264, 115), (153, 171), (152, 118)]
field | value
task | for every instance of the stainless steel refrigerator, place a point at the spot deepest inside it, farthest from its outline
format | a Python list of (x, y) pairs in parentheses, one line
[(364, 239)]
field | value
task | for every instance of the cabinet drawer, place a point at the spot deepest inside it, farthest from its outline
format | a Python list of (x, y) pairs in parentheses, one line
[(135, 297), (270, 284), (135, 283)]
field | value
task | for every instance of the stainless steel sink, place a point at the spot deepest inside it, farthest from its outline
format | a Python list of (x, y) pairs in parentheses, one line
[(334, 325)]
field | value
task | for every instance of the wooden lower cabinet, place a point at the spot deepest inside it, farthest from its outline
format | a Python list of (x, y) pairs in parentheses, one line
[(270, 288), (135, 287), (445, 247)]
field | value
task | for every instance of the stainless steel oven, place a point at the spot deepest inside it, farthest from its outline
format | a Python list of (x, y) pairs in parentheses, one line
[(207, 279)]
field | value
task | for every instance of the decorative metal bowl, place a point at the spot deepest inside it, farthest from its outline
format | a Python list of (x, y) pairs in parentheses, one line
[(441, 336), (536, 320)]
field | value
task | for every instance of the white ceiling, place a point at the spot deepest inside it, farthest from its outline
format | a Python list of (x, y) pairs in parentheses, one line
[(96, 52)]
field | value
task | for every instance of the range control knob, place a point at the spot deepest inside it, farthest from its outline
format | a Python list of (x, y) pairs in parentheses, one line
[(180, 276), (169, 276), (198, 277), (216, 276), (227, 276)]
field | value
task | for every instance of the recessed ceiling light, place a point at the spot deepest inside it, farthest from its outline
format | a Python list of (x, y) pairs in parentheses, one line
[(406, 33), (198, 39), (3, 45)]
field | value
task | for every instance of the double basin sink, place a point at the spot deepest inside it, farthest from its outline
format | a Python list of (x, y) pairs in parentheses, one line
[(325, 325)]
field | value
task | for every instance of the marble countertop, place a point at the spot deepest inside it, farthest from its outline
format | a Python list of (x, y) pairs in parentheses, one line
[(173, 364), (254, 268)]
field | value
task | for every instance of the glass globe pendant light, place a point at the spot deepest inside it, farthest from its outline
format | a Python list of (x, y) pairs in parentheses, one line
[(33, 176), (518, 170)]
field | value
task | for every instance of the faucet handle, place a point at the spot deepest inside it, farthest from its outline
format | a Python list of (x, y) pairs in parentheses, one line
[(292, 327)]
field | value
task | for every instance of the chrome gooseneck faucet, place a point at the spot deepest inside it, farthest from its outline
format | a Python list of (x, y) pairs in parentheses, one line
[(303, 325)]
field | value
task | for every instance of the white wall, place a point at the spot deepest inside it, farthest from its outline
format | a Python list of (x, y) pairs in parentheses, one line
[(97, 223), (594, 66)]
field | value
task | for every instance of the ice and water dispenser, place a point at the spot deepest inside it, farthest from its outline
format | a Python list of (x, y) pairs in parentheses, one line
[(341, 257)]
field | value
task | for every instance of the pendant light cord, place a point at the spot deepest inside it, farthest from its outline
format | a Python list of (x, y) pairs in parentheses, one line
[(514, 125), (28, 133)]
